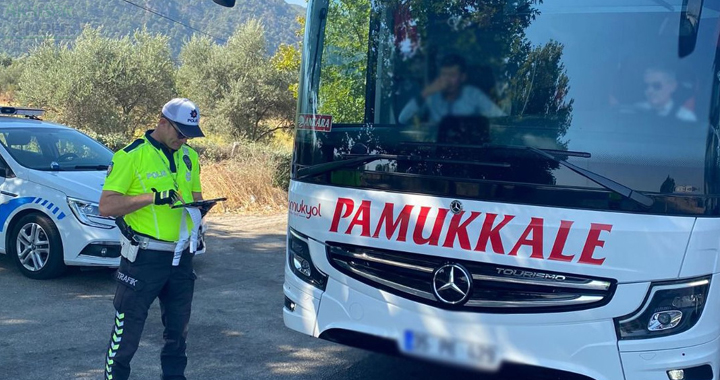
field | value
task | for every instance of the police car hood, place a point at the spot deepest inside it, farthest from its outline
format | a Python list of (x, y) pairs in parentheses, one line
[(86, 185), (621, 246)]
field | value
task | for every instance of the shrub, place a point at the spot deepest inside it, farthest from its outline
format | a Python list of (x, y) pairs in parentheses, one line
[(212, 151), (254, 177), (113, 141), (281, 172)]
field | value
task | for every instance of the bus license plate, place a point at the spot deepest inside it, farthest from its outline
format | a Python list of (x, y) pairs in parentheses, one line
[(469, 354)]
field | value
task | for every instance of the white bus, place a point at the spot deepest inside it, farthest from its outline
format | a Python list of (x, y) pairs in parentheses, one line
[(509, 184)]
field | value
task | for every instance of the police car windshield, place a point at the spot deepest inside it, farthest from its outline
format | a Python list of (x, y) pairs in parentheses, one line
[(55, 149)]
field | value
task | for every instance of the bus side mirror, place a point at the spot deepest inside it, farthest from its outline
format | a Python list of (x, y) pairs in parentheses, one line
[(689, 25), (225, 3)]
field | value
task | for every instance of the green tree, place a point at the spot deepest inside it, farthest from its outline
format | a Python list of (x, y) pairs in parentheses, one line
[(10, 72), (5, 60), (287, 61), (288, 58), (345, 61), (26, 23), (111, 87), (240, 90), (41, 83)]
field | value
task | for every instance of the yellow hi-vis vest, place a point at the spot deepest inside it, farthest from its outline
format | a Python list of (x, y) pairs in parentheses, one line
[(144, 165)]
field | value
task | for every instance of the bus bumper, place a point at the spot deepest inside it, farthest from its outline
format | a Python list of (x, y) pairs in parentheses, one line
[(699, 362), (587, 348)]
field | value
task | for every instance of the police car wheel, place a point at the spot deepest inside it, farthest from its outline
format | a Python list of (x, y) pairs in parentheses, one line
[(34, 243)]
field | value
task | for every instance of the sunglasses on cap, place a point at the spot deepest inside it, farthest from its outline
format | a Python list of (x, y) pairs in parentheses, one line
[(180, 136)]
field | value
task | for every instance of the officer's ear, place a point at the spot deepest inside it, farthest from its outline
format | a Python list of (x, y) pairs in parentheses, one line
[(164, 124)]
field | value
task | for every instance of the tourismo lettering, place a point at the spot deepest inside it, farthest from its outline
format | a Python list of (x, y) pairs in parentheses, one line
[(301, 209), (395, 226)]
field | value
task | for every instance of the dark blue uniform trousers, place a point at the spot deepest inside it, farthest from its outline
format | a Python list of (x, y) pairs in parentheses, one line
[(139, 283)]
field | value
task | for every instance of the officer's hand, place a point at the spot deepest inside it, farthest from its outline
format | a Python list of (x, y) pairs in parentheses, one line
[(167, 197)]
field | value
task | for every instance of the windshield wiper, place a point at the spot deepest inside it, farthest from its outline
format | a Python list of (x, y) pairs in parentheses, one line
[(597, 178), (552, 155), (334, 165), (92, 167), (353, 160), (546, 153)]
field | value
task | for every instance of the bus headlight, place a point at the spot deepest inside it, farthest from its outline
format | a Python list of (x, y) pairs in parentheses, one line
[(301, 263), (669, 308)]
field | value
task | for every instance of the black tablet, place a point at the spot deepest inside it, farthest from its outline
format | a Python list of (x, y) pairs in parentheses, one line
[(202, 203)]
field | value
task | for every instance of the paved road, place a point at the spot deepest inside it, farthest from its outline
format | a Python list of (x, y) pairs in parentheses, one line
[(58, 329)]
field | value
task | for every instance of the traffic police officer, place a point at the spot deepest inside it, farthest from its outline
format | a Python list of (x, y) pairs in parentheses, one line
[(144, 180)]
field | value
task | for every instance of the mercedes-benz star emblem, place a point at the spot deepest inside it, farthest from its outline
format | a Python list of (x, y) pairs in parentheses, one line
[(452, 284), (456, 207)]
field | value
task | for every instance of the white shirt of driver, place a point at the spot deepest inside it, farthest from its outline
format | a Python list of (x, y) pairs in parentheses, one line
[(683, 113), (472, 101)]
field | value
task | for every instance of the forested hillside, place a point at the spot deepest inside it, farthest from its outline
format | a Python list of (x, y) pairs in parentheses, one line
[(24, 23)]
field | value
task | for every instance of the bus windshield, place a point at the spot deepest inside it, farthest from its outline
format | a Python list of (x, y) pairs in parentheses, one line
[(489, 100)]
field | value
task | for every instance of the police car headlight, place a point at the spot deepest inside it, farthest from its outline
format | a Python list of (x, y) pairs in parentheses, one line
[(88, 213), (669, 308)]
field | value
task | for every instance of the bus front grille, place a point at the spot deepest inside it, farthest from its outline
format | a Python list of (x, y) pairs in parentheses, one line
[(486, 287)]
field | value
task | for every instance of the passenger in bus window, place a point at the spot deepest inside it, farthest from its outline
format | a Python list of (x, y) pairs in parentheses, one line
[(449, 94), (662, 95)]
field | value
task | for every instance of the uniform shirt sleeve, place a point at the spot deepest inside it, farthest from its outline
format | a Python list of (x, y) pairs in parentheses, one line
[(121, 174)]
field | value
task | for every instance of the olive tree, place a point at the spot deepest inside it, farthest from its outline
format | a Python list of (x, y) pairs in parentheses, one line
[(110, 87), (238, 88)]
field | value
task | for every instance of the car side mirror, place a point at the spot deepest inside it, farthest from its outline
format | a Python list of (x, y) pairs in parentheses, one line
[(225, 3), (6, 172)]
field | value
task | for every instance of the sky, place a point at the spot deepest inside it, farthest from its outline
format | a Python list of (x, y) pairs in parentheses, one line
[(298, 2)]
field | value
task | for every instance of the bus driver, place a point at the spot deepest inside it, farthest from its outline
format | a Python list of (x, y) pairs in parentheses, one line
[(449, 95)]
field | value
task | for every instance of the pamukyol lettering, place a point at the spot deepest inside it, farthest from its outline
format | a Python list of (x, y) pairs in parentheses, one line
[(304, 210)]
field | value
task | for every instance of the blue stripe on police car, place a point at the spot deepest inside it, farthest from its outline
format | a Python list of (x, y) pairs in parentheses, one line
[(10, 206)]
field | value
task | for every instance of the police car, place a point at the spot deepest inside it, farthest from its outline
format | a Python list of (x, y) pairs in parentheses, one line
[(51, 177)]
